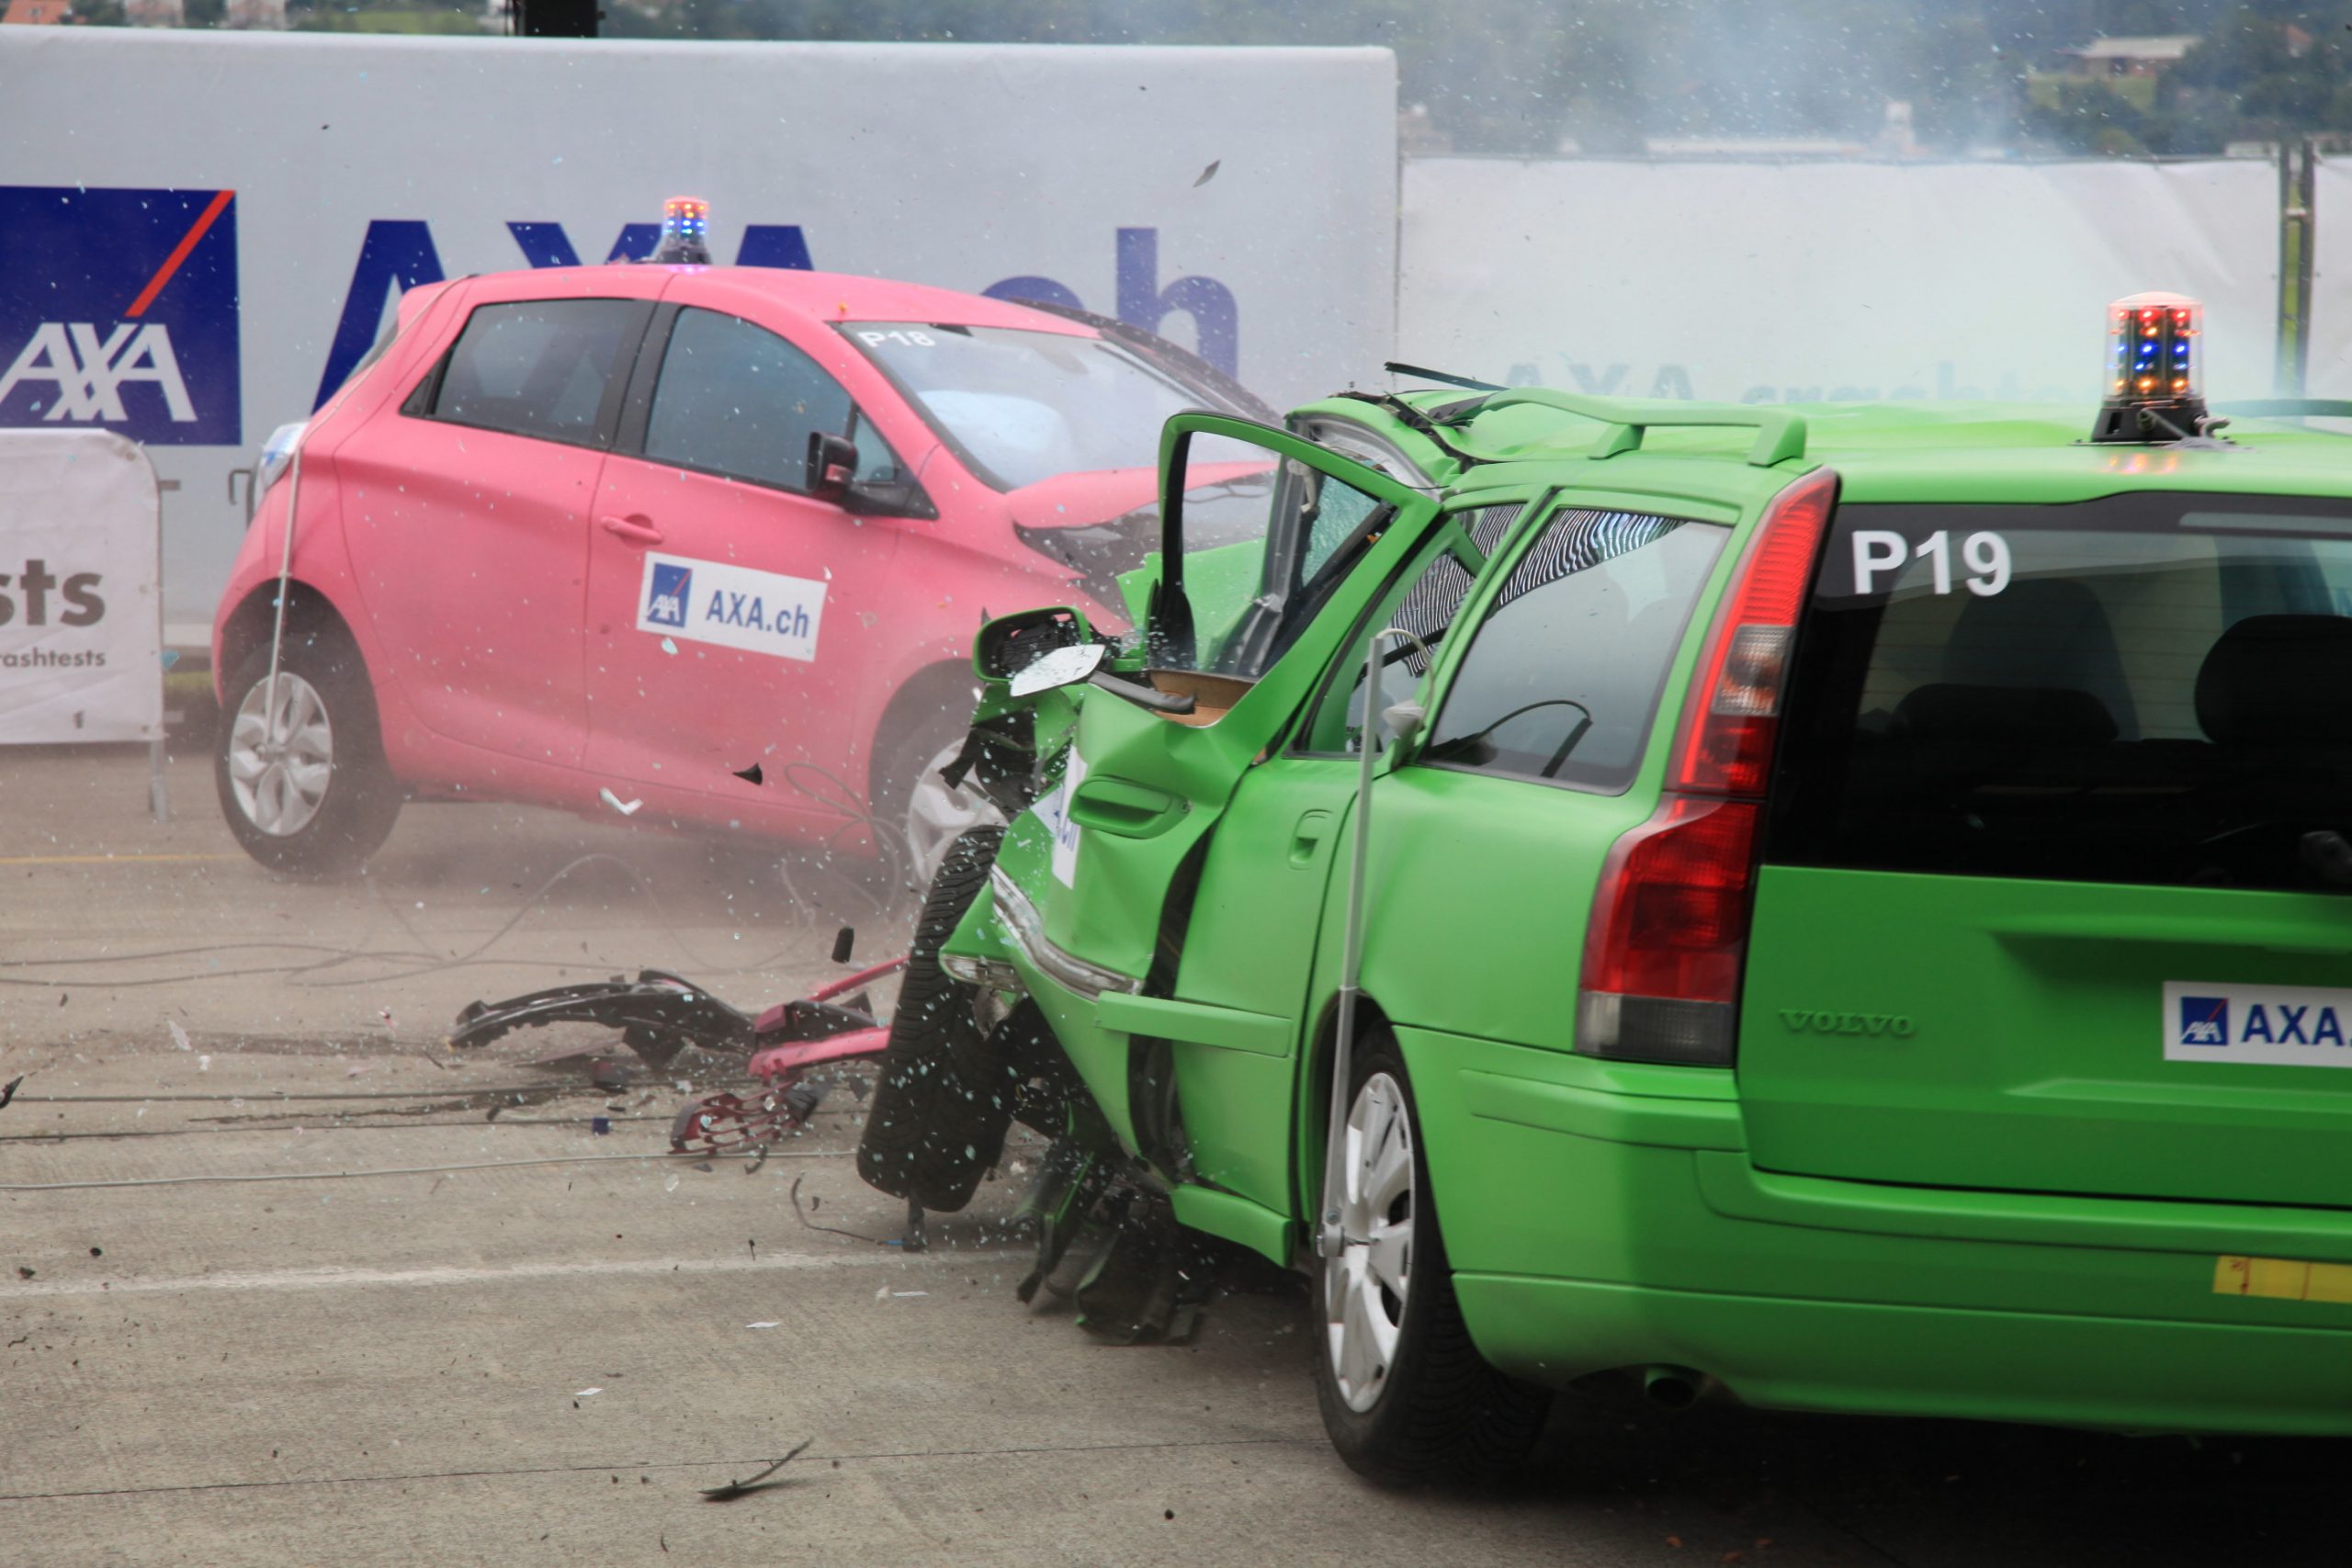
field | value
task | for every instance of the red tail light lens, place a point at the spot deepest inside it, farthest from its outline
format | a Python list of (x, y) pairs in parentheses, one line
[(1727, 738), (1669, 933)]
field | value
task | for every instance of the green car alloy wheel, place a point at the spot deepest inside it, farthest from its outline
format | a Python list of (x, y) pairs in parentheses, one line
[(1405, 1393)]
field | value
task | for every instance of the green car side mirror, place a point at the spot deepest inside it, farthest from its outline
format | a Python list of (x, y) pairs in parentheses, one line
[(1062, 667), (1010, 643)]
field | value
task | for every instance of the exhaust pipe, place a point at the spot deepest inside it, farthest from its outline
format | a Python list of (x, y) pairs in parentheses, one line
[(1674, 1388)]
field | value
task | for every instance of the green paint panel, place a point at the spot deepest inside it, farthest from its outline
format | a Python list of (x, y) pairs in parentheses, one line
[(1977, 1032), (1221, 1027), (1236, 1219)]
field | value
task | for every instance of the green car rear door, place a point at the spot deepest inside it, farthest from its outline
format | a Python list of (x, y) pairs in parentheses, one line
[(2054, 892)]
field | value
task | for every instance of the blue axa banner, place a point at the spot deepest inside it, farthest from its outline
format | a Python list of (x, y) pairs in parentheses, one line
[(120, 312)]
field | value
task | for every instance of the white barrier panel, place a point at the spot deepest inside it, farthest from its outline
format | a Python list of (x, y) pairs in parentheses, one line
[(200, 231), (1788, 282), (80, 641), (2329, 372)]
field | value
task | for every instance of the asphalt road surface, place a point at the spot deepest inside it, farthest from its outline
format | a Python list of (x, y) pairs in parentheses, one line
[(353, 1319)]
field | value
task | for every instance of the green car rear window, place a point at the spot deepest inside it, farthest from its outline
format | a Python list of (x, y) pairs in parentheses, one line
[(2146, 689), (1563, 674)]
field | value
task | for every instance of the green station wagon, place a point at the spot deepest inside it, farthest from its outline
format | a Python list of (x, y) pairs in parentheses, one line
[(1846, 907)]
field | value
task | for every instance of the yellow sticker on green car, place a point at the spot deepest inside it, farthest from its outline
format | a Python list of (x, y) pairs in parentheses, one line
[(2282, 1279)]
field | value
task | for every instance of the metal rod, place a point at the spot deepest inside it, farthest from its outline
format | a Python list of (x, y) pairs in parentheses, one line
[(159, 801), (1328, 1239), (284, 576)]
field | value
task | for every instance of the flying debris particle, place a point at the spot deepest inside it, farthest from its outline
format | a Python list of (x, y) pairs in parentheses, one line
[(203, 1064), (669, 648), (8, 1090), (587, 1393), (750, 776), (735, 1489), (761, 1325), (1208, 173), (626, 808), (22, 1272), (179, 1035)]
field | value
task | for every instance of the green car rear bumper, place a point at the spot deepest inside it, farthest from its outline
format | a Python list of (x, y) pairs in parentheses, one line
[(1602, 1215)]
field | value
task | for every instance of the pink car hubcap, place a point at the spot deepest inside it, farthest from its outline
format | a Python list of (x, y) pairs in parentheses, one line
[(280, 761)]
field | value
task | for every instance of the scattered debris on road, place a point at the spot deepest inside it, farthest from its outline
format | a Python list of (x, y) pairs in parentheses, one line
[(802, 1215), (759, 1483)]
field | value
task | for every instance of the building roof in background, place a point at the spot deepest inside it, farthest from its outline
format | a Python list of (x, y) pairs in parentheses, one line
[(2158, 47), (35, 12)]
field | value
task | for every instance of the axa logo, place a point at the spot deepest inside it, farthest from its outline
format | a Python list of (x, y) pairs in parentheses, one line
[(2204, 1020), (666, 593), (750, 611), (88, 373), (2285, 1026), (121, 313), (1806, 1022)]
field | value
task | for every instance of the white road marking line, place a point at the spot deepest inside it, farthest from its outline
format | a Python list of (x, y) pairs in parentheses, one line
[(372, 1279)]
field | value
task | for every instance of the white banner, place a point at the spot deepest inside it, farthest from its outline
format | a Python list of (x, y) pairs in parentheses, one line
[(80, 653), (1791, 282), (227, 216), (2330, 371)]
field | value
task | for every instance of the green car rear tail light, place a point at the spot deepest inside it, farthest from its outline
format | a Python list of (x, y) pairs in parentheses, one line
[(1669, 933)]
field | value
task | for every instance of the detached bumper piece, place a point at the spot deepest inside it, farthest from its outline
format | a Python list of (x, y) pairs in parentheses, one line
[(1115, 1253), (659, 1014)]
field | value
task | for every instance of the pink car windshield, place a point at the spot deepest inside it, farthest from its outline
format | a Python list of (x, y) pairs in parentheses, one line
[(1021, 406)]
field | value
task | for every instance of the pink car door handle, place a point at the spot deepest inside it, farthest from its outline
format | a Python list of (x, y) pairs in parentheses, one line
[(636, 530)]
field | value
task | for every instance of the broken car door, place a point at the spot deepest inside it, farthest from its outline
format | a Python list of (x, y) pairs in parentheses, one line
[(1261, 577), (1257, 920)]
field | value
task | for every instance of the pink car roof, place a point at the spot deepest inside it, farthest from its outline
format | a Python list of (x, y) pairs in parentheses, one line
[(823, 296)]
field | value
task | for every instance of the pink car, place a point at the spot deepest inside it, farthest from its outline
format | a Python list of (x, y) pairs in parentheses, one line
[(605, 537)]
